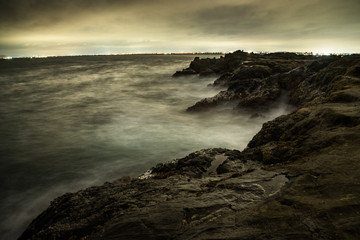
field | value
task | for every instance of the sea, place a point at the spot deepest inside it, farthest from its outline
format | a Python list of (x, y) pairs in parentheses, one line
[(67, 123)]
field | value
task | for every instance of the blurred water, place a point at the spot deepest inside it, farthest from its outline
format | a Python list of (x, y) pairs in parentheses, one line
[(71, 122)]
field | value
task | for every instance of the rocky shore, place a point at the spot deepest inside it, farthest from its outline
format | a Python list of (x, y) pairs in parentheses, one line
[(298, 178)]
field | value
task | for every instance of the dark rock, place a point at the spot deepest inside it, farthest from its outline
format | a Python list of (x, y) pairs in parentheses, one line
[(200, 65), (207, 72), (354, 71), (258, 84), (204, 67), (256, 81), (159, 208), (185, 72)]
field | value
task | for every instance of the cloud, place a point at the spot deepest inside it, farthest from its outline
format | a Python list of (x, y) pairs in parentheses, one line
[(40, 13), (204, 23), (232, 20), (278, 19)]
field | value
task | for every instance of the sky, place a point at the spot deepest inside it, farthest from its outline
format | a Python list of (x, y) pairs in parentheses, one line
[(71, 27)]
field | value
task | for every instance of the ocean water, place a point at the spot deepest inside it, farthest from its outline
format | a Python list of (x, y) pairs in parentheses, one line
[(71, 122)]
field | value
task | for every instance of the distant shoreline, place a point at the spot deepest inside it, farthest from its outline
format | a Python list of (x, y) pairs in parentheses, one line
[(4, 57)]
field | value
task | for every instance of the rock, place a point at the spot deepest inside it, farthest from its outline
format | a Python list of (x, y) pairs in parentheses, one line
[(185, 72), (207, 72), (354, 71), (256, 81), (182, 196), (204, 67), (222, 99), (257, 84)]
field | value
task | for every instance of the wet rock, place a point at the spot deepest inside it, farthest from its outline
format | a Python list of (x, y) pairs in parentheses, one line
[(223, 98), (204, 67), (354, 71), (207, 72), (185, 72), (258, 80), (168, 205)]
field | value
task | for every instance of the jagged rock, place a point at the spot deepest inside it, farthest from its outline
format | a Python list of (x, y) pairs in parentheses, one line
[(208, 66), (200, 65), (177, 198), (354, 71), (256, 81), (258, 84), (221, 99), (204, 67), (207, 72), (185, 72)]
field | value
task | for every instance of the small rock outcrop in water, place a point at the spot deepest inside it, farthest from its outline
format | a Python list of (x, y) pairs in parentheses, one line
[(209, 66), (298, 178)]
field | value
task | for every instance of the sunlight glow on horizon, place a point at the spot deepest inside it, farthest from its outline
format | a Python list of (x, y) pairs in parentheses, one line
[(315, 53)]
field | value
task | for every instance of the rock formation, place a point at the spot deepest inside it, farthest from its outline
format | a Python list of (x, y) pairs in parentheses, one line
[(298, 178)]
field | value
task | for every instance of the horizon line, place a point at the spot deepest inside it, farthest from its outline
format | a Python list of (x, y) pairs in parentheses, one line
[(4, 57)]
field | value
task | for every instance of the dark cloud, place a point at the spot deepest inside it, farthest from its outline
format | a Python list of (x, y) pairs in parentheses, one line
[(278, 19), (178, 23), (230, 20), (17, 13)]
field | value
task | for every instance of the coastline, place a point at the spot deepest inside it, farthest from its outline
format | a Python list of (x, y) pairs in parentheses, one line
[(298, 177)]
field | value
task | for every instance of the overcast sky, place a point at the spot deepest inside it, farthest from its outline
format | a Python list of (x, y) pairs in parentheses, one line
[(67, 27)]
